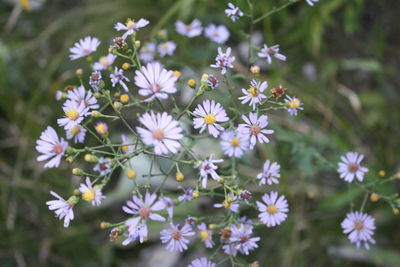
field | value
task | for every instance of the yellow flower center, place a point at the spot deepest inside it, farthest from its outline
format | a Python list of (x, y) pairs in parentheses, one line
[(101, 128), (130, 24), (104, 61), (227, 204), (75, 130), (272, 209), (89, 195), (204, 235), (72, 114), (235, 142), (209, 119), (253, 91), (165, 46), (295, 103), (125, 148)]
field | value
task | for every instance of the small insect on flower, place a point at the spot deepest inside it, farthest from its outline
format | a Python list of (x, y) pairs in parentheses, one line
[(130, 27), (254, 95), (254, 128), (233, 12), (126, 148), (230, 202), (190, 30), (241, 239), (223, 60), (166, 48), (62, 208), (176, 238), (103, 166), (155, 81), (270, 174), (147, 52), (274, 212), (350, 168), (104, 62), (210, 113), (360, 228), (74, 114), (219, 34), (187, 194), (205, 235), (233, 143), (91, 194), (293, 104), (201, 262), (79, 95), (311, 2), (207, 167), (51, 148), (84, 47), (161, 131), (77, 132), (118, 78), (269, 52), (95, 80)]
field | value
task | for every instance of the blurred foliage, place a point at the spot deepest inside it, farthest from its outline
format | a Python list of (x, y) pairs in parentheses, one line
[(342, 61)]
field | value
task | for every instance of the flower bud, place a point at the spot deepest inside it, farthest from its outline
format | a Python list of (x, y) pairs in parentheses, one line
[(79, 72), (195, 194), (77, 171), (117, 105), (90, 158), (96, 94), (212, 226), (101, 129), (221, 180), (125, 66), (374, 197), (131, 174), (179, 176), (396, 211), (96, 114), (117, 94), (191, 83), (104, 225), (137, 43), (124, 98), (382, 173), (76, 192), (69, 160)]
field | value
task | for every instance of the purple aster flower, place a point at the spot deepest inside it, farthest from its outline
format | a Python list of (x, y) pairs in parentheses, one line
[(209, 115), (273, 212), (241, 239), (190, 30), (293, 104), (230, 203), (270, 173), (84, 48), (360, 228), (254, 128), (176, 238), (103, 166), (62, 208), (201, 262), (208, 168), (187, 194), (51, 148), (79, 95), (350, 167), (233, 143), (269, 52), (118, 78), (223, 60), (205, 235)]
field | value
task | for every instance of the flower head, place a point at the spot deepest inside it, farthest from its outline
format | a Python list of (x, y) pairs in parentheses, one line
[(230, 203), (77, 132), (104, 62), (233, 12), (190, 30), (241, 239), (254, 128), (201, 262), (350, 167), (210, 114), (130, 26), (223, 60), (80, 95), (144, 209), (270, 174), (218, 34), (273, 210), (254, 95), (84, 47), (118, 78), (176, 238), (95, 80), (233, 143), (162, 132), (74, 114), (187, 194), (103, 167), (208, 168), (269, 52), (51, 148), (127, 149), (147, 52), (293, 104), (205, 235), (62, 208), (90, 193), (360, 228), (155, 81), (166, 48)]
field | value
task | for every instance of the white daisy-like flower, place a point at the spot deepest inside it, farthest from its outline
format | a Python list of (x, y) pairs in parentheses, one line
[(103, 166), (223, 60), (91, 194), (166, 48), (270, 174), (207, 168), (130, 26), (360, 228), (137, 232), (162, 132), (104, 62), (254, 95), (77, 132), (147, 52), (230, 203), (201, 262), (233, 12), (176, 238), (233, 143), (118, 78), (311, 2), (190, 30), (125, 147), (80, 95), (62, 208), (219, 34), (155, 81), (241, 239), (84, 47), (293, 104), (74, 114), (210, 113), (350, 167), (51, 148), (254, 128), (273, 210), (206, 235), (269, 52)]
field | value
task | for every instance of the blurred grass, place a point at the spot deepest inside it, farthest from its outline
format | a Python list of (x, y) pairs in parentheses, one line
[(342, 61)]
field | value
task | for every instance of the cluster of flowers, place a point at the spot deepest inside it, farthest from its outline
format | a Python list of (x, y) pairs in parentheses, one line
[(161, 134)]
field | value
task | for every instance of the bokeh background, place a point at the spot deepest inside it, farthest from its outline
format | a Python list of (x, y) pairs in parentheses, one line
[(343, 62)]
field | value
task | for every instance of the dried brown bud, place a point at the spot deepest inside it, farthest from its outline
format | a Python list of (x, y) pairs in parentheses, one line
[(278, 91)]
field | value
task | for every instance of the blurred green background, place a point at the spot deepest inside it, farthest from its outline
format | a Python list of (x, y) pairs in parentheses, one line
[(343, 59)]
